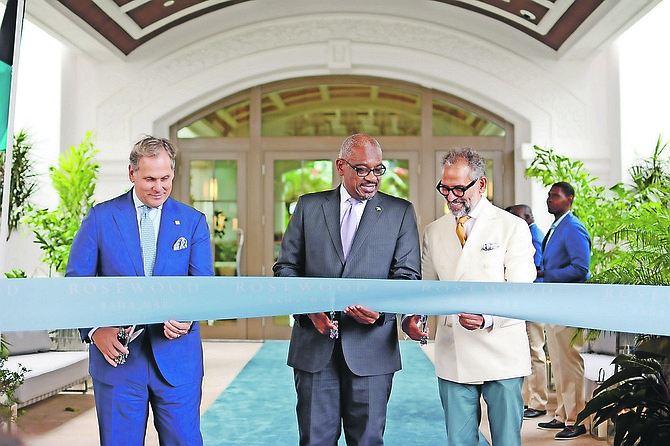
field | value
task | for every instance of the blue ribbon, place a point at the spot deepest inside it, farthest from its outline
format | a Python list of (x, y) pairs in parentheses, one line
[(41, 303)]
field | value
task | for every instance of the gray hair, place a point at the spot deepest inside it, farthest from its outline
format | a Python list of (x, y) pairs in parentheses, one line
[(151, 146), (347, 147), (475, 161)]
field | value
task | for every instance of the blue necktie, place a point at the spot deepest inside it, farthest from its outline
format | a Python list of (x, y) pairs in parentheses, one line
[(148, 240), (348, 226)]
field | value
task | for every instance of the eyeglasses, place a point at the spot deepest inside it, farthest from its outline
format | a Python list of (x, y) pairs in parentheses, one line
[(364, 171), (458, 191)]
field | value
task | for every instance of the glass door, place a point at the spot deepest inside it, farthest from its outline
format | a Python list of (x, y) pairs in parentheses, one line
[(288, 175), (215, 190)]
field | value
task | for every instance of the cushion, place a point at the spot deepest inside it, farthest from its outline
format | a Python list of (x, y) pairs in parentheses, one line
[(24, 342), (605, 345)]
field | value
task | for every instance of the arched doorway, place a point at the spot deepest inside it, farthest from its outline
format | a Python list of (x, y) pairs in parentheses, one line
[(245, 160)]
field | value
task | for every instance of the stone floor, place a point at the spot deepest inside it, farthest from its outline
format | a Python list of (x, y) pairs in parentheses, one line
[(69, 418)]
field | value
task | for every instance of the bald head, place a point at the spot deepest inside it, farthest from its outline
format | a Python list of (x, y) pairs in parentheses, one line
[(523, 211)]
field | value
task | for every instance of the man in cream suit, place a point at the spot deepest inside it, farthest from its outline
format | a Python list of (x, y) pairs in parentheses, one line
[(477, 354), (344, 361)]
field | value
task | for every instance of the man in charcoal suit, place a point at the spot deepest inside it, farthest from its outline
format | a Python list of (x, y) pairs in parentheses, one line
[(346, 378), (142, 233)]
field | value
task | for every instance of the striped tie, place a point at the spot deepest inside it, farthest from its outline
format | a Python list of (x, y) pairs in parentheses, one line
[(148, 240)]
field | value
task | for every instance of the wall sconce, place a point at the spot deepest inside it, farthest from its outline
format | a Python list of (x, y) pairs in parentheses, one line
[(211, 189)]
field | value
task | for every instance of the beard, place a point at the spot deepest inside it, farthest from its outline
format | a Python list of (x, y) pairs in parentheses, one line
[(463, 211)]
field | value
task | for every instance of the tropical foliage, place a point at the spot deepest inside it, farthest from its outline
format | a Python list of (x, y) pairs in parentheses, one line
[(630, 227), (10, 380), (23, 179), (636, 398), (74, 180)]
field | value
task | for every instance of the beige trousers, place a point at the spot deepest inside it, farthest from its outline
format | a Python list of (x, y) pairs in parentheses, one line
[(567, 367), (535, 385)]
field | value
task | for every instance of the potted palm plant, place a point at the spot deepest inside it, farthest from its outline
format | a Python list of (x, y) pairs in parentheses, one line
[(636, 398)]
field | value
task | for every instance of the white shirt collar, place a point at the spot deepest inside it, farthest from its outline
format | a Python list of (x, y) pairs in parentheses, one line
[(344, 195), (558, 222), (139, 203), (474, 213)]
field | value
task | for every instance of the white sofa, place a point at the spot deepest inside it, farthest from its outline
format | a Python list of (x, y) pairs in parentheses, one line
[(598, 357), (50, 371)]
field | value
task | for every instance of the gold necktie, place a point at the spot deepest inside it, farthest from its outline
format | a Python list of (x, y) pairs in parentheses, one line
[(460, 229)]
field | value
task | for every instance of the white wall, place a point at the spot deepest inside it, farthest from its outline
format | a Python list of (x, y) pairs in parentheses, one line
[(38, 99), (645, 93)]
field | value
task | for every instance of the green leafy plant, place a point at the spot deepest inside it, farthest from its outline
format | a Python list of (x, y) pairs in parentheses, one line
[(16, 274), (593, 204), (74, 180), (651, 177), (640, 248), (9, 382), (631, 231), (23, 179), (636, 398)]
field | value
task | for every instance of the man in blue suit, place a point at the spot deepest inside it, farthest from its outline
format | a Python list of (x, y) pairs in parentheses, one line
[(142, 233), (566, 258), (344, 361)]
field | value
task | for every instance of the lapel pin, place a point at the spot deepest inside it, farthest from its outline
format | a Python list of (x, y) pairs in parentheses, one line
[(177, 222), (378, 208)]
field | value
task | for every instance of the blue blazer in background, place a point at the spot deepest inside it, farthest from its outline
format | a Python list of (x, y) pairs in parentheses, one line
[(566, 257), (538, 237), (108, 244)]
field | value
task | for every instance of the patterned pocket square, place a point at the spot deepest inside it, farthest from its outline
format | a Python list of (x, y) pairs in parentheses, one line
[(490, 246), (180, 244)]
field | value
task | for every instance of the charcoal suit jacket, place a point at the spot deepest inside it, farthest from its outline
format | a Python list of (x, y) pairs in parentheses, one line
[(386, 246)]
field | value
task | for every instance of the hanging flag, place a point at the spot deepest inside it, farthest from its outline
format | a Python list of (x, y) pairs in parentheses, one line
[(7, 41)]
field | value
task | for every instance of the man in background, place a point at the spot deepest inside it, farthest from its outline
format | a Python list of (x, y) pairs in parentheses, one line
[(535, 392), (344, 361), (145, 233), (566, 258)]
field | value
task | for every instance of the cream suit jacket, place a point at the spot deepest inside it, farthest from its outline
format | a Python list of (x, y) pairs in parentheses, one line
[(498, 249)]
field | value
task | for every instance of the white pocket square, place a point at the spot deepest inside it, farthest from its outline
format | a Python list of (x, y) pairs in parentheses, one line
[(180, 244), (490, 246)]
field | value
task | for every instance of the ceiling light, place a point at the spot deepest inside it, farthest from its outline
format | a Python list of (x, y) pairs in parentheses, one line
[(527, 15)]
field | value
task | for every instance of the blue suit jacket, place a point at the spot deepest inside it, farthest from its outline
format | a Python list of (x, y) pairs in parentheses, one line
[(537, 236), (108, 244), (566, 257), (386, 246)]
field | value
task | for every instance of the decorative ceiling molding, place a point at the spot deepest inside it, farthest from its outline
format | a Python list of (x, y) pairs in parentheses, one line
[(128, 24), (548, 21)]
